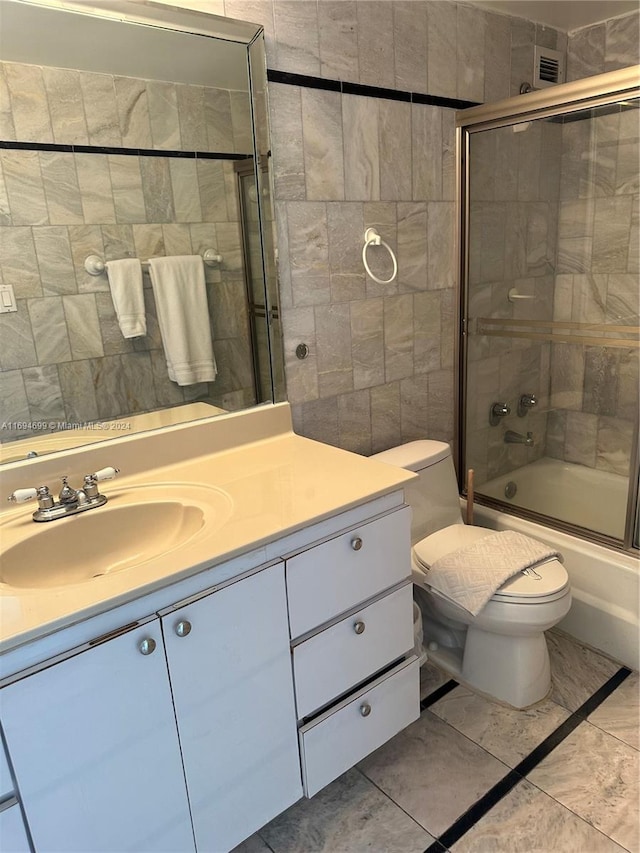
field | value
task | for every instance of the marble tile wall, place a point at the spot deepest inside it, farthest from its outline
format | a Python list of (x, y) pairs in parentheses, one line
[(41, 104), (62, 355), (602, 47), (381, 364), (594, 389)]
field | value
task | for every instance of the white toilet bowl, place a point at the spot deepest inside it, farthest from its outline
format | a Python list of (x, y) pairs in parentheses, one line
[(501, 651)]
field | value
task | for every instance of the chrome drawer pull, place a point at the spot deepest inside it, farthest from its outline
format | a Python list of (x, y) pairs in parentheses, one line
[(365, 709), (358, 627), (356, 543), (183, 628), (147, 646)]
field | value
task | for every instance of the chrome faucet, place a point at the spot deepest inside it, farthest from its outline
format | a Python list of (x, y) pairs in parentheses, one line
[(511, 437), (497, 411), (70, 501)]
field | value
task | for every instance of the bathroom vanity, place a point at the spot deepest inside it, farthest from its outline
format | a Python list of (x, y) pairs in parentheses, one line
[(182, 701)]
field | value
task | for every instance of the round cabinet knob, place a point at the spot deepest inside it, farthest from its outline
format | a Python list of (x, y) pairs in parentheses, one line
[(183, 628), (365, 709), (147, 646), (356, 543), (358, 627)]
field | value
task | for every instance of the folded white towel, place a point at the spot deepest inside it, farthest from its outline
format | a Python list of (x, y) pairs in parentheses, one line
[(125, 282), (471, 575), (183, 316)]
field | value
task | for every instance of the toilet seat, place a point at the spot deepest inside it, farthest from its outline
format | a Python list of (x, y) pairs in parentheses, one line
[(548, 581)]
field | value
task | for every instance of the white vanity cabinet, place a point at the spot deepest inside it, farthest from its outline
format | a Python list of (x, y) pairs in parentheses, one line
[(351, 620), (187, 717), (230, 671), (13, 835), (95, 750), (102, 742)]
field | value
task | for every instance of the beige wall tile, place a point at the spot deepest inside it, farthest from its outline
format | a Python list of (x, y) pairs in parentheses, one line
[(29, 104), (362, 156), (322, 145), (338, 39), (410, 35), (395, 150), (376, 53), (24, 187), (296, 32), (66, 106)]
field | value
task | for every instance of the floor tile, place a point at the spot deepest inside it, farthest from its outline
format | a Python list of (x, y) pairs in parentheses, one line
[(349, 816), (431, 678), (529, 821), (433, 772), (619, 714), (505, 732), (596, 776), (255, 844), (576, 672)]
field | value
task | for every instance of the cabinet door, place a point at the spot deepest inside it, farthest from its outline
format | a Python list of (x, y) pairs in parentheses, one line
[(13, 837), (95, 751), (232, 686)]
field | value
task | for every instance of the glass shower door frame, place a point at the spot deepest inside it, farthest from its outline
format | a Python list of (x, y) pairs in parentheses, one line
[(581, 95)]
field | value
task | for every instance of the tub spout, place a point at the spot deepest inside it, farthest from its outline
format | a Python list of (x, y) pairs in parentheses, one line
[(512, 437)]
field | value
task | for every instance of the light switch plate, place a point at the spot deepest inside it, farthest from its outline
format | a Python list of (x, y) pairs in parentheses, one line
[(7, 299)]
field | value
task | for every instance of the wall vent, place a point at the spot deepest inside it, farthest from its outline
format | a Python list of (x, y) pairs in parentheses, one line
[(548, 67)]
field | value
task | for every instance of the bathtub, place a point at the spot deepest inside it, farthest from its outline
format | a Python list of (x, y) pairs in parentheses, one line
[(605, 583), (583, 496)]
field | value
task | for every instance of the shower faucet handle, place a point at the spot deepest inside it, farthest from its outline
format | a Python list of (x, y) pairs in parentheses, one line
[(526, 402), (497, 411)]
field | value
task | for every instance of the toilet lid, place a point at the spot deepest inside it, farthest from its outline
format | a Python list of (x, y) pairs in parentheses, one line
[(542, 581)]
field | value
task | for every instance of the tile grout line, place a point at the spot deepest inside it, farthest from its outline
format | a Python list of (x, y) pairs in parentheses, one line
[(397, 805), (493, 796)]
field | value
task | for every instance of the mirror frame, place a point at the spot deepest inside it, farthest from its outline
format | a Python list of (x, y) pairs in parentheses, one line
[(195, 22)]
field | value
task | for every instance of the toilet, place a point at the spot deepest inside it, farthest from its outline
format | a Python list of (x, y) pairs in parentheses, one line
[(500, 652)]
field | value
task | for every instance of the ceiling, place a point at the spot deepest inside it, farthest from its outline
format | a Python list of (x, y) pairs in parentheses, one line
[(562, 14)]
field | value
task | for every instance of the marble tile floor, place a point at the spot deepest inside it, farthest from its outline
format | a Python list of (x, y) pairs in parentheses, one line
[(474, 776)]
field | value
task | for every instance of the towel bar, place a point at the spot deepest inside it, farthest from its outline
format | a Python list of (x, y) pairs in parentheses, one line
[(94, 264)]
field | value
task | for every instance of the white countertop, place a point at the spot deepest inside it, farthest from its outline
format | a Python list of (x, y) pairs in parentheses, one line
[(275, 485)]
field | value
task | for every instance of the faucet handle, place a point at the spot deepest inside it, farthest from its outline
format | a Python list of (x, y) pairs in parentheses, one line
[(45, 499), (22, 495), (497, 411), (526, 402), (104, 474)]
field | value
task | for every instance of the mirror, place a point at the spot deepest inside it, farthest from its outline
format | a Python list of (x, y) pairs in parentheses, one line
[(135, 130)]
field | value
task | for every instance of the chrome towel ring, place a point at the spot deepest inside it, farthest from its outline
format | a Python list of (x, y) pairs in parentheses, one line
[(372, 238)]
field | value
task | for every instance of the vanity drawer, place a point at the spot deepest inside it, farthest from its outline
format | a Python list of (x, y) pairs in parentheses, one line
[(337, 575), (345, 735), (330, 663)]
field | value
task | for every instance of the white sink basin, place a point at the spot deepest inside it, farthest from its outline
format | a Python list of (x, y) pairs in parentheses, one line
[(136, 525)]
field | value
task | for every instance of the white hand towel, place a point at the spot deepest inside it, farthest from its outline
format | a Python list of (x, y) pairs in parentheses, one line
[(125, 282), (471, 575), (181, 302)]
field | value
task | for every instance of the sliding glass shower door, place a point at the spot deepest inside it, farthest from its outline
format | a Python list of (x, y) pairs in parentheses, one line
[(549, 361)]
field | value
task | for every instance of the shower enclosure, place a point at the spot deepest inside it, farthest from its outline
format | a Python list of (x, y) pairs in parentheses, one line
[(549, 266)]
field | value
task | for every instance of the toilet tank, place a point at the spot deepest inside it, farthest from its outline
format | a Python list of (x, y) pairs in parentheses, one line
[(433, 496)]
